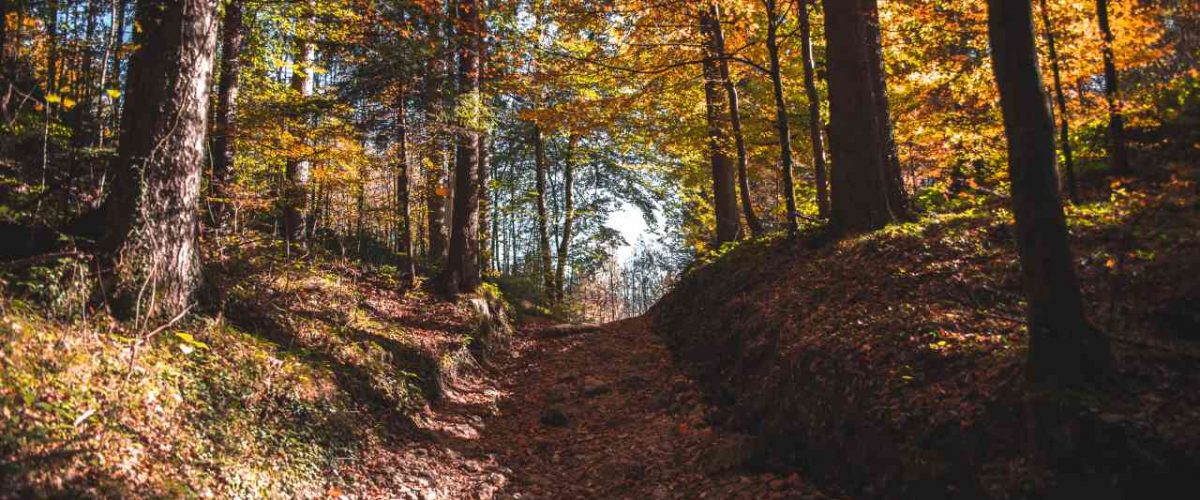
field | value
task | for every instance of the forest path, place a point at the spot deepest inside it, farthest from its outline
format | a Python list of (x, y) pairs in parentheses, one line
[(601, 414)]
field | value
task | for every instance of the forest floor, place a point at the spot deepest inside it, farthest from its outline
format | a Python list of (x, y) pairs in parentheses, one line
[(594, 414), (314, 378)]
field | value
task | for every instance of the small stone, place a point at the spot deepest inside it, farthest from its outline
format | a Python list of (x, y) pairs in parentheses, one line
[(554, 417)]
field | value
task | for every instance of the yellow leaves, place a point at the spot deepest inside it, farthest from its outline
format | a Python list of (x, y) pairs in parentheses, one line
[(113, 93), (53, 98)]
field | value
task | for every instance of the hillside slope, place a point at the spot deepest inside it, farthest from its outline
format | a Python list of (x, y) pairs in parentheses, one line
[(890, 364)]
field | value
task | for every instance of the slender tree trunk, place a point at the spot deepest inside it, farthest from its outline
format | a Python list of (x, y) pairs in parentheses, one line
[(5, 70), (1065, 350), (1064, 134), (296, 170), (52, 48), (564, 244), (725, 203), (483, 248), (543, 215), (893, 175), (404, 241), (864, 196), (462, 269), (814, 113), (717, 37), (224, 149), (117, 103), (439, 102), (1119, 152), (153, 210), (782, 126)]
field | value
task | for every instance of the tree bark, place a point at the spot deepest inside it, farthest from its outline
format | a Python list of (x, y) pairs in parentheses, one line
[(404, 242), (224, 149), (1118, 152), (564, 244), (717, 37), (153, 210), (462, 268), (864, 197), (897, 199), (815, 122), (119, 43), (1065, 350), (296, 170), (782, 126), (543, 215), (1064, 135), (725, 203)]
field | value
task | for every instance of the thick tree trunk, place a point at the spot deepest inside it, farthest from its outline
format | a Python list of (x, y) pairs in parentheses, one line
[(543, 215), (224, 149), (1118, 151), (1064, 134), (462, 267), (152, 212), (814, 113), (296, 170), (782, 126), (564, 244), (725, 203), (1065, 350), (717, 38), (864, 197)]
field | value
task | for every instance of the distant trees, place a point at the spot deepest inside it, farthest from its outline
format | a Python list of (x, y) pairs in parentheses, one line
[(153, 210), (866, 193), (1065, 350)]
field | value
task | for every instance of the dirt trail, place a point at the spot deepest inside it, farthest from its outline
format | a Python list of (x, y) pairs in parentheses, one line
[(593, 415)]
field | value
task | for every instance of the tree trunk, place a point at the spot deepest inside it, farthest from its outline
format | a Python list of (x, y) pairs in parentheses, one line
[(296, 170), (1119, 153), (717, 37), (894, 177), (462, 269), (152, 212), (564, 244), (5, 70), (782, 126), (404, 242), (224, 149), (52, 49), (543, 215), (725, 203), (1065, 350), (118, 45), (1064, 135), (814, 113), (864, 198)]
